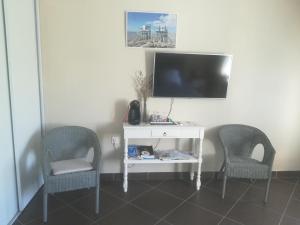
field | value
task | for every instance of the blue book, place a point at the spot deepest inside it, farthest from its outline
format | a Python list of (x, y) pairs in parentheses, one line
[(132, 151)]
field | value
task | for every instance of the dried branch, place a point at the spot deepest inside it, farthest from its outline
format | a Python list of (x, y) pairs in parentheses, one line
[(143, 85)]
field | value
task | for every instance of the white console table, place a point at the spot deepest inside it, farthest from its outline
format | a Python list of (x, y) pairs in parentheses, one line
[(145, 131)]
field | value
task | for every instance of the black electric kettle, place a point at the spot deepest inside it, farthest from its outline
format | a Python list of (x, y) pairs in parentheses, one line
[(134, 114)]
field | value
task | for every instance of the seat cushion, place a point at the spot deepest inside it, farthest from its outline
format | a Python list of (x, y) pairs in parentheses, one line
[(243, 167), (70, 166)]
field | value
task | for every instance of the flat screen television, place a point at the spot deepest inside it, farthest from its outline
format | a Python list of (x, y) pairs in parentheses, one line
[(191, 75)]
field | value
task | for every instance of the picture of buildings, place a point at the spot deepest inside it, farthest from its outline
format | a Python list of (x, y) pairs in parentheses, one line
[(151, 30)]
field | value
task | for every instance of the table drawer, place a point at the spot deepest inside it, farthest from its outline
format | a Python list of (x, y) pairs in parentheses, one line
[(160, 133), (190, 133), (137, 133), (164, 132)]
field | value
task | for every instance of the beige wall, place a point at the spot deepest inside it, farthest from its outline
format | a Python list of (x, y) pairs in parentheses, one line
[(88, 70)]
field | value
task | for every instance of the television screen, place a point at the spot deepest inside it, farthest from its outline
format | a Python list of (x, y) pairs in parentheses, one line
[(191, 75)]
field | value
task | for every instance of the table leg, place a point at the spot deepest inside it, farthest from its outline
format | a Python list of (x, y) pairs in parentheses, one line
[(191, 176), (192, 172), (199, 177), (125, 181), (199, 164), (193, 147)]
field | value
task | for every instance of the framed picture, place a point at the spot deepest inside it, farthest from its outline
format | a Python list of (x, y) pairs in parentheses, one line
[(151, 29)]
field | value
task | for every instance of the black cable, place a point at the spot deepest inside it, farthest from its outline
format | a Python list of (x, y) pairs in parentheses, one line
[(158, 141), (171, 107)]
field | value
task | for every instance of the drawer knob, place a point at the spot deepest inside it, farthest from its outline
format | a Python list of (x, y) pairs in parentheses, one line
[(165, 134)]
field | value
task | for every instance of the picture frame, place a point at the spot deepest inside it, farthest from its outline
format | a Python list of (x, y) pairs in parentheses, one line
[(151, 29)]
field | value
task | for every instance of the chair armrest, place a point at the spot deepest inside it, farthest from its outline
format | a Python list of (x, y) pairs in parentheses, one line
[(46, 165), (96, 147), (269, 154), (226, 152), (269, 151)]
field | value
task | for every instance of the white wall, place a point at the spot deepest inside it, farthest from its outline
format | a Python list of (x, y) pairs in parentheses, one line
[(88, 70)]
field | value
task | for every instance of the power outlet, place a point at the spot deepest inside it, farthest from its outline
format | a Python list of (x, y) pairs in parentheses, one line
[(115, 140)]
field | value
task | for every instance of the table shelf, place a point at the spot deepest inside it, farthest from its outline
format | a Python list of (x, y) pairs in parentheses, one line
[(159, 161), (181, 131)]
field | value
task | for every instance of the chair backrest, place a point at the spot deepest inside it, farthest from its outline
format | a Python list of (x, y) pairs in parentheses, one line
[(239, 139), (69, 142)]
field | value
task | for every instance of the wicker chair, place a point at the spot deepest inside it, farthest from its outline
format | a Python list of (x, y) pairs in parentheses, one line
[(238, 142), (64, 143)]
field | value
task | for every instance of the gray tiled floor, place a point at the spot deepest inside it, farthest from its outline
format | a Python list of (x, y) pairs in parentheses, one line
[(173, 202)]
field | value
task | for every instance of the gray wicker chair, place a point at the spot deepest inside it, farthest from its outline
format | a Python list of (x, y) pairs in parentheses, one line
[(64, 143), (238, 142)]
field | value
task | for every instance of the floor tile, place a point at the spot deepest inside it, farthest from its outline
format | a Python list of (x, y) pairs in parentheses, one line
[(234, 189), (127, 215), (208, 175), (34, 209), (250, 214), (65, 216), (241, 180), (293, 209), (287, 179), (211, 200), (179, 188), (134, 189), (157, 203), (164, 223), (136, 176), (289, 174), (155, 182), (70, 196), (86, 205), (162, 176), (297, 192), (188, 214), (160, 197), (227, 221), (152, 183), (204, 180), (277, 185), (276, 201), (290, 221)]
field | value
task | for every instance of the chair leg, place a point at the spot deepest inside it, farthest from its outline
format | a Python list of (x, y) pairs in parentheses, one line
[(45, 206), (267, 189), (224, 186), (97, 198)]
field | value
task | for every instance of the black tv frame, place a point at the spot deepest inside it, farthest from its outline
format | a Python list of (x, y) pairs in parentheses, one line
[(190, 53)]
